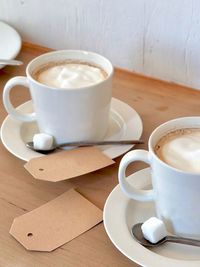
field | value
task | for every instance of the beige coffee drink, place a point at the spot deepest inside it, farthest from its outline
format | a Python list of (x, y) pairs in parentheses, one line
[(69, 74), (181, 149)]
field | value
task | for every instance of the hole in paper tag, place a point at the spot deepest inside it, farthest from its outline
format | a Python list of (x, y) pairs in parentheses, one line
[(29, 234), (67, 164), (56, 222)]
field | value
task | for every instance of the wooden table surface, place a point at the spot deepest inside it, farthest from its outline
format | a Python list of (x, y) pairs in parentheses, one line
[(155, 101)]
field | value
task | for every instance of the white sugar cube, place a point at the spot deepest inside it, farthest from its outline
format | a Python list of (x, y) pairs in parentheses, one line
[(153, 230), (42, 141)]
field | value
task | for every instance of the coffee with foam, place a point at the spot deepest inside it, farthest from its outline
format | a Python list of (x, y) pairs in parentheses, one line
[(69, 74), (181, 149)]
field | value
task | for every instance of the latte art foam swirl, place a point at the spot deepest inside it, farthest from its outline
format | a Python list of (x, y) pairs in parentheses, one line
[(70, 75), (181, 149)]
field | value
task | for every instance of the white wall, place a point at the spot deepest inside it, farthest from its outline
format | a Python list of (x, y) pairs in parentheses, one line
[(159, 38)]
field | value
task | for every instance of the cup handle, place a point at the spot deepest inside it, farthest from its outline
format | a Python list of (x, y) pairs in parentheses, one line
[(20, 80), (129, 190)]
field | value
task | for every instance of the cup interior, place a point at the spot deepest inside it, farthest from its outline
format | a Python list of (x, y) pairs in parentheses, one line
[(172, 125), (167, 127), (79, 55)]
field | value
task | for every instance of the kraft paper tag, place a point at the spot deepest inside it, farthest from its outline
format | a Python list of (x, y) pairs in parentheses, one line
[(67, 164), (56, 223)]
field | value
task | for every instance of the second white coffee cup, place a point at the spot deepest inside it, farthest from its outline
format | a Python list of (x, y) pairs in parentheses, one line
[(71, 114), (176, 193)]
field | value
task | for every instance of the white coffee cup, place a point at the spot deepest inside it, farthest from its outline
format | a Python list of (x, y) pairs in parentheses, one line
[(67, 114), (176, 193)]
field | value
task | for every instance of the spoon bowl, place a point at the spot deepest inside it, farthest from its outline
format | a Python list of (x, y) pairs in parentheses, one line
[(138, 235), (30, 145)]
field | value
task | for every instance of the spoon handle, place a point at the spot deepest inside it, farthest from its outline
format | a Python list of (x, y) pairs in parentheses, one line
[(10, 62), (95, 143), (183, 240)]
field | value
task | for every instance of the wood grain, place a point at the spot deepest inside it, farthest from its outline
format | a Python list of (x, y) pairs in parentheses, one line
[(155, 101)]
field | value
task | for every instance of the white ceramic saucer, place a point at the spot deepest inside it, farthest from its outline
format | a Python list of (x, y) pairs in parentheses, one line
[(120, 213), (125, 123), (10, 42)]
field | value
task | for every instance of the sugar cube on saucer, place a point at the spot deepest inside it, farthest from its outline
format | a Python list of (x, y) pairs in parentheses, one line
[(153, 230), (42, 141)]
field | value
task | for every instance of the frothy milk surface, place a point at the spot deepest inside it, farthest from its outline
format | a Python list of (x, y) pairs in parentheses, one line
[(69, 75), (181, 149)]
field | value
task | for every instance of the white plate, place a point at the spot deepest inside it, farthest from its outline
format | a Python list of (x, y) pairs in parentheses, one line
[(125, 123), (10, 42), (120, 213)]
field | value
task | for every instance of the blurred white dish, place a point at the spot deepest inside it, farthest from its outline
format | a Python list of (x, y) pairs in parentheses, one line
[(10, 42)]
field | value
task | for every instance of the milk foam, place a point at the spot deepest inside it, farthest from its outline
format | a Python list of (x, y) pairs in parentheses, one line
[(181, 150), (70, 75)]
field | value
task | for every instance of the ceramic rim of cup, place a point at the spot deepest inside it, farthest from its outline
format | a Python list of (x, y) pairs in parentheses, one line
[(50, 58)]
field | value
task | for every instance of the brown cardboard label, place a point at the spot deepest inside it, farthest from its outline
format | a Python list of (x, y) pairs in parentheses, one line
[(55, 223), (67, 164)]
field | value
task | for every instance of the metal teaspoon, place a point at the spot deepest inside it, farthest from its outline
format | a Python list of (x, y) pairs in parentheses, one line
[(10, 62), (85, 143), (138, 235)]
